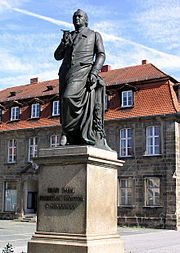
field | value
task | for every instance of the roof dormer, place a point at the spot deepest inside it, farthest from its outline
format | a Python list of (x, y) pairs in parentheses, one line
[(126, 93)]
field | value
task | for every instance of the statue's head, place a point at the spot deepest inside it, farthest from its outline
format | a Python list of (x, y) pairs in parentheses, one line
[(80, 19)]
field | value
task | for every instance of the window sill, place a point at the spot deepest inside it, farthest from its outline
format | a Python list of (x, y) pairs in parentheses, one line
[(126, 206), (152, 206), (10, 163), (56, 115), (34, 118), (158, 155), (126, 107), (122, 157), (14, 120)]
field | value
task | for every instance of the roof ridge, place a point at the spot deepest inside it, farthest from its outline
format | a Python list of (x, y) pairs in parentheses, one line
[(29, 84), (172, 78), (131, 66), (159, 70)]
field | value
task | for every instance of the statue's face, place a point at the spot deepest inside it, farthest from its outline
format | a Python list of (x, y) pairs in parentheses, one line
[(79, 19)]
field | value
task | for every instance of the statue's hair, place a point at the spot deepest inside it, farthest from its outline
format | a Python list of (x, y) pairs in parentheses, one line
[(85, 15)]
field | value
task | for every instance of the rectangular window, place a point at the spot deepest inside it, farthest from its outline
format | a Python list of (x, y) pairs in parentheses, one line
[(55, 141), (152, 140), (127, 98), (125, 192), (35, 111), (12, 150), (152, 191), (15, 111), (32, 148), (56, 108), (126, 142), (10, 197), (106, 102)]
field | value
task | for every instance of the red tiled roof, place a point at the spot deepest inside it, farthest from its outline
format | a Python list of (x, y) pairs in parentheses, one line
[(25, 124), (30, 91), (117, 76), (156, 99), (151, 98), (132, 74), (25, 121)]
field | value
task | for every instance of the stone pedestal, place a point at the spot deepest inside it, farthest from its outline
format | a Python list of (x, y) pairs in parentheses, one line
[(77, 201)]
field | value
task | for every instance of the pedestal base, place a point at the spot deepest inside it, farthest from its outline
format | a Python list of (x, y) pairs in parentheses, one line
[(56, 243), (77, 201)]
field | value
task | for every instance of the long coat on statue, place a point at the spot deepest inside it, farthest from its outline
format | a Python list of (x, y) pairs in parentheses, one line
[(81, 106)]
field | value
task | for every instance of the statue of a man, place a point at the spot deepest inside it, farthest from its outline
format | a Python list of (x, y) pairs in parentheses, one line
[(81, 89)]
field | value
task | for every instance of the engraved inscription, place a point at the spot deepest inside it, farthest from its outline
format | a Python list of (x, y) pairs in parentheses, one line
[(68, 190), (53, 190), (67, 200)]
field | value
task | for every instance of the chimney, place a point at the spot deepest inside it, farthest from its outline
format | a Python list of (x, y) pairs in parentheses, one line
[(144, 62), (34, 80), (106, 68)]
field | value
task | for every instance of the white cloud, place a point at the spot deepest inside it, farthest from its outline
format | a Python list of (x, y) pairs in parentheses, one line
[(159, 22), (120, 52), (52, 20), (107, 37), (25, 78), (4, 5), (10, 63), (107, 26), (7, 4), (113, 38)]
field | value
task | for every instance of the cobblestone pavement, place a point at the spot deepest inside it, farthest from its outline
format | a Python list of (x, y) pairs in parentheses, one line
[(137, 240)]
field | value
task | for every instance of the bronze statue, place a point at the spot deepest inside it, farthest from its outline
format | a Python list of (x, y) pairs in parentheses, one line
[(81, 88)]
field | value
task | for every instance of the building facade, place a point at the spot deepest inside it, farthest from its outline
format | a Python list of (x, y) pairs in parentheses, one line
[(142, 124)]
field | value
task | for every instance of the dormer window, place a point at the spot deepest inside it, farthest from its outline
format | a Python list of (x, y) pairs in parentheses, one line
[(56, 108), (35, 110), (15, 113), (12, 93), (127, 98)]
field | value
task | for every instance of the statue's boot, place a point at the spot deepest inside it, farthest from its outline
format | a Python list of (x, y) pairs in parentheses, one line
[(63, 140)]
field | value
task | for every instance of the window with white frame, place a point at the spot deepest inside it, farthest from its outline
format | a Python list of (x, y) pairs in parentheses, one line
[(127, 98), (55, 141), (125, 192), (56, 108), (152, 191), (15, 111), (12, 151), (35, 110), (10, 194), (152, 140), (126, 142), (32, 148)]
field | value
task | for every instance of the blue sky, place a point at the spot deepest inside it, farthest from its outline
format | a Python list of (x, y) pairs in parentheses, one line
[(132, 30)]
